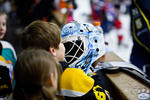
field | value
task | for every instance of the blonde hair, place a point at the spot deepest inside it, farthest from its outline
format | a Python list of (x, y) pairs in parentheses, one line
[(32, 71), (2, 13), (41, 34)]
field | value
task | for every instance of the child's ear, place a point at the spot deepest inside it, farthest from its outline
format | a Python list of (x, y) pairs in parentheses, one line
[(51, 80), (52, 51)]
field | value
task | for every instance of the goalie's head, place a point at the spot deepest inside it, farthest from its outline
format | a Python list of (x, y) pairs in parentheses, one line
[(84, 44)]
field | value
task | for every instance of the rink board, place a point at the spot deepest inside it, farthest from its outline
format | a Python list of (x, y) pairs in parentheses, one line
[(125, 86)]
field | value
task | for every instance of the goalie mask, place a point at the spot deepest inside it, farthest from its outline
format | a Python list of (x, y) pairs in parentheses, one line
[(84, 44)]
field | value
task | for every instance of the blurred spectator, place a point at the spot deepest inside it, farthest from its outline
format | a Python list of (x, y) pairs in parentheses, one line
[(96, 6), (5, 5), (30, 10), (104, 11)]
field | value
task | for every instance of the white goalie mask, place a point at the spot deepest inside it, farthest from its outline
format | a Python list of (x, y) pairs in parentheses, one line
[(84, 44)]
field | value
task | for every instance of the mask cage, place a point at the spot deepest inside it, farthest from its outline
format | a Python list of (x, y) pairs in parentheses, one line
[(74, 49)]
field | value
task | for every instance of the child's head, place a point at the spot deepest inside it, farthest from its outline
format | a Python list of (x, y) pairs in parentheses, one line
[(36, 73), (44, 35), (84, 45), (3, 21)]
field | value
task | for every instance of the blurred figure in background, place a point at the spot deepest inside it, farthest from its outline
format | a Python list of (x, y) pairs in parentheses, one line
[(30, 10), (103, 11), (5, 5)]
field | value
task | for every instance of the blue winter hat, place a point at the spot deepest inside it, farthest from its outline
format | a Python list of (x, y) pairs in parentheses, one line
[(84, 44)]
